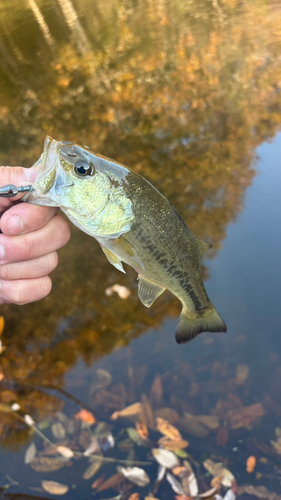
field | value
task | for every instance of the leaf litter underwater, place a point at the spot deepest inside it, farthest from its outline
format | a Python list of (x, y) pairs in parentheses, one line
[(146, 450)]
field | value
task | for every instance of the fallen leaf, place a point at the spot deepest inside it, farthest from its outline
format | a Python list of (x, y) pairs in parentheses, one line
[(58, 430), (276, 445), (142, 430), (156, 391), (209, 494), (65, 452), (111, 482), (150, 498), (5, 408), (2, 376), (230, 495), (30, 453), (98, 482), (2, 347), (2, 324), (189, 481), (246, 415), (168, 413), (146, 414), (193, 426), (135, 437), (251, 464), (54, 488), (175, 484), (129, 411), (216, 481), (173, 444), (217, 469), (134, 496), (86, 416), (161, 472), (210, 421), (258, 491), (135, 475), (93, 468), (222, 437), (178, 471), (167, 429), (47, 464), (165, 458), (121, 291)]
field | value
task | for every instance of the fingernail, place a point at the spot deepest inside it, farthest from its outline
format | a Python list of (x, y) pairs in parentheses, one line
[(15, 224), (2, 253)]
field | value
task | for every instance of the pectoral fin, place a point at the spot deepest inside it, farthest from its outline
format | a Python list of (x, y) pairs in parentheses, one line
[(148, 291), (129, 250), (113, 259)]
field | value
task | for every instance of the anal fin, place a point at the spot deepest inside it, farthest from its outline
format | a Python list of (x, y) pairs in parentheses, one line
[(148, 290), (113, 259)]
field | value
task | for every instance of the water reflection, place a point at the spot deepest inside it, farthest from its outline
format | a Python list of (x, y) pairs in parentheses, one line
[(182, 92)]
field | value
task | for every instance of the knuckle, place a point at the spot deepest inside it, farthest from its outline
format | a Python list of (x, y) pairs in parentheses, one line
[(25, 248), (5, 272), (52, 262), (7, 174), (17, 294), (63, 230)]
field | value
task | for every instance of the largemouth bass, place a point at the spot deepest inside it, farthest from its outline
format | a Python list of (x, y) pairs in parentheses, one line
[(133, 223)]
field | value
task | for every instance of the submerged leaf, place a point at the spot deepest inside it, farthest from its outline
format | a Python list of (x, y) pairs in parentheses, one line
[(135, 437), (258, 491), (93, 468), (173, 444), (54, 488), (134, 496), (217, 469), (2, 324), (129, 411), (58, 430), (135, 475), (86, 416), (65, 451), (142, 430), (47, 464), (112, 481), (175, 484), (30, 453), (209, 494), (167, 429), (165, 458), (251, 464)]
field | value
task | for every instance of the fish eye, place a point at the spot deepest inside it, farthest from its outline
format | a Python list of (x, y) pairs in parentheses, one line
[(82, 168)]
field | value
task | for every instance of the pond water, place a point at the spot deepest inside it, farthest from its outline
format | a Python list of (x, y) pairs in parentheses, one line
[(188, 94)]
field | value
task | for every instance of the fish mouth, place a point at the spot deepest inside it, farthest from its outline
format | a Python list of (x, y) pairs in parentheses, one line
[(51, 178)]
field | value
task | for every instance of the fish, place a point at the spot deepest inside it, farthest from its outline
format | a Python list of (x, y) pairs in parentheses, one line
[(133, 223)]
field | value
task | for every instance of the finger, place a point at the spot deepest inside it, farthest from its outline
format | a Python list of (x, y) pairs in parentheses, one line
[(24, 217), (29, 246), (22, 292), (18, 176), (35, 268)]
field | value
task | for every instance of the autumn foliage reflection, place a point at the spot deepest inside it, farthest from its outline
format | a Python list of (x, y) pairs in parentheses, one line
[(180, 92)]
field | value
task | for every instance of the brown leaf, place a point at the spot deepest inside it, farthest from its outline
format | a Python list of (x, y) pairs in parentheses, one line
[(47, 464), (86, 416), (134, 496), (168, 413), (258, 491), (146, 414), (93, 468), (216, 481), (211, 421), (2, 324), (246, 415), (167, 429), (98, 482), (251, 464), (173, 444), (222, 437), (192, 426), (179, 471), (142, 430), (54, 488), (156, 391), (129, 411), (112, 481)]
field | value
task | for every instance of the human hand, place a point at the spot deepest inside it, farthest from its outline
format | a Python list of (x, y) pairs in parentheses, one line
[(31, 236)]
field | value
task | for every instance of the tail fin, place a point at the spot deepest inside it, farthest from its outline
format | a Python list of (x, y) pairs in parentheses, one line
[(190, 325)]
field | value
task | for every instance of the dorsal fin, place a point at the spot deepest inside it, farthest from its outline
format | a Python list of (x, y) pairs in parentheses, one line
[(203, 247)]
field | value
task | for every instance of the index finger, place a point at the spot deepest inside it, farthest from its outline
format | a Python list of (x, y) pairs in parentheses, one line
[(18, 176)]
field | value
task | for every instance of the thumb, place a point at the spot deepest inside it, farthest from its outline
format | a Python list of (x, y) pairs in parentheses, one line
[(18, 176)]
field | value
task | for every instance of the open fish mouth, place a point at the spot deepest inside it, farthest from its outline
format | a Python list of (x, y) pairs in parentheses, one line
[(51, 178)]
